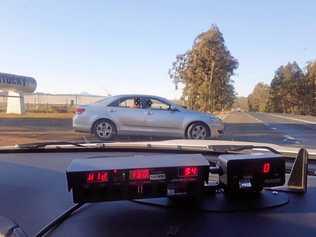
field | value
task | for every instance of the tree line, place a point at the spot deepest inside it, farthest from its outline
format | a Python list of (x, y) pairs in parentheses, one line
[(292, 90), (205, 72)]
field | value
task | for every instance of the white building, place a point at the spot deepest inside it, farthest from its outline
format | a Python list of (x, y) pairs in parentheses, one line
[(60, 99), (43, 101)]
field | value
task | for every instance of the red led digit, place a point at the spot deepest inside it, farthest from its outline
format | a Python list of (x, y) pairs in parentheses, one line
[(139, 174), (266, 168), (97, 177), (102, 177), (190, 171), (90, 178)]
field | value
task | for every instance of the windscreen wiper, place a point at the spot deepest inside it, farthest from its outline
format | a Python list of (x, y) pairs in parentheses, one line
[(211, 148), (44, 144), (237, 148)]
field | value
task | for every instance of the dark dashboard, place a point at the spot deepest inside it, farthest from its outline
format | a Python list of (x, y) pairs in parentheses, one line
[(34, 191)]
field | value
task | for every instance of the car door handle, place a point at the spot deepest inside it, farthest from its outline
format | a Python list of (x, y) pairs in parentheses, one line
[(149, 112), (112, 110)]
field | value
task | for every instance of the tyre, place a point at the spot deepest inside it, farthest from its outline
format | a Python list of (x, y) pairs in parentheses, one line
[(104, 129), (198, 131)]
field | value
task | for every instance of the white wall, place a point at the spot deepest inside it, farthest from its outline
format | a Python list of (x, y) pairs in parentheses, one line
[(60, 99)]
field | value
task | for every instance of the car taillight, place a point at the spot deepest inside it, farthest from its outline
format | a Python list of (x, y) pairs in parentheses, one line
[(139, 174), (189, 172), (97, 177), (80, 110)]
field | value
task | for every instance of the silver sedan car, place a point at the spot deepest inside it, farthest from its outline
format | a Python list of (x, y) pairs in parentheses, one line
[(144, 115)]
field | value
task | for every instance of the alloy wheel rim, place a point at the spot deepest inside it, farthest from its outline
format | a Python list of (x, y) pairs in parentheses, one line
[(198, 132), (104, 129)]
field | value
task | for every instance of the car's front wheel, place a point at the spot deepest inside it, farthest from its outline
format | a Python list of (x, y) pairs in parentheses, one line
[(198, 131), (104, 129)]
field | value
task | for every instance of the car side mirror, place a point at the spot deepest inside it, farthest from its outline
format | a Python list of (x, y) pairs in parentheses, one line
[(173, 108)]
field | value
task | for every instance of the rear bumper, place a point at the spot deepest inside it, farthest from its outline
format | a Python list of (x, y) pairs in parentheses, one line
[(83, 130), (79, 125)]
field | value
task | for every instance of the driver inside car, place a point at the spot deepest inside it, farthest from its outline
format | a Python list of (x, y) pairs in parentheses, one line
[(147, 104), (137, 103)]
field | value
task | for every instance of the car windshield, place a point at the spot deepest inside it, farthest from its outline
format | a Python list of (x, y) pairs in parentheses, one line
[(157, 118), (102, 72)]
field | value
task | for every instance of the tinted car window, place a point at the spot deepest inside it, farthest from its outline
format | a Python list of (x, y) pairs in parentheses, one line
[(129, 102)]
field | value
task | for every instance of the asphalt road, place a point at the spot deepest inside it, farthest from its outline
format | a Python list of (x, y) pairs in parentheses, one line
[(271, 128), (239, 126)]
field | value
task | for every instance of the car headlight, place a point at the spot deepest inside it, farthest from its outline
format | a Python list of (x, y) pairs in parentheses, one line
[(214, 118)]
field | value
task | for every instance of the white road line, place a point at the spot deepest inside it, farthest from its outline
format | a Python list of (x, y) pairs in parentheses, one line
[(253, 117), (295, 119), (292, 139), (288, 137), (259, 120)]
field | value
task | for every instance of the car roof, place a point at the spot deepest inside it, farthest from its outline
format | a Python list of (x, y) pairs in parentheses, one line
[(142, 95), (112, 98)]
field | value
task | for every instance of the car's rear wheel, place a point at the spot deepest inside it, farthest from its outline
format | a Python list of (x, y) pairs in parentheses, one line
[(198, 131), (104, 129)]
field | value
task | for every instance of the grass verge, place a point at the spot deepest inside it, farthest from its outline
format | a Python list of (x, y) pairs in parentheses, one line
[(38, 116)]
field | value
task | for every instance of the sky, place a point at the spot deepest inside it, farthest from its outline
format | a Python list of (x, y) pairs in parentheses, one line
[(116, 47)]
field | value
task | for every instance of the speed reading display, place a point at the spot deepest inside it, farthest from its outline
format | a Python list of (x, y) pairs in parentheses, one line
[(123, 178)]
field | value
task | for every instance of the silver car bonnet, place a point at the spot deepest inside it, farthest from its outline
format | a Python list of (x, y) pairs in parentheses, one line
[(204, 114)]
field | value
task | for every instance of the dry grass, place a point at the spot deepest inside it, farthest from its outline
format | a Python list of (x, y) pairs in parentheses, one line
[(38, 115)]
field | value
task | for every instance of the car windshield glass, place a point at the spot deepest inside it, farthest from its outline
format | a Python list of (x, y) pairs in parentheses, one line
[(165, 103), (157, 104), (113, 74)]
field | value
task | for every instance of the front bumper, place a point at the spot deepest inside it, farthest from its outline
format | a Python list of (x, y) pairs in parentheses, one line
[(217, 128), (220, 131)]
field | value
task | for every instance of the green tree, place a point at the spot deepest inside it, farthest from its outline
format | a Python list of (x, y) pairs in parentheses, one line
[(274, 103), (258, 99), (287, 90), (311, 87), (205, 71)]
